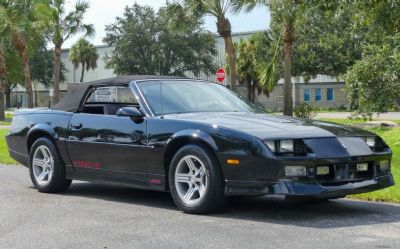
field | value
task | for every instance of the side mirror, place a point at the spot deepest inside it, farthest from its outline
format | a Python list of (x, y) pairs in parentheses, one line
[(131, 112)]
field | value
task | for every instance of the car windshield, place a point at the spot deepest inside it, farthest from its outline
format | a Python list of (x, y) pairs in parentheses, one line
[(183, 96)]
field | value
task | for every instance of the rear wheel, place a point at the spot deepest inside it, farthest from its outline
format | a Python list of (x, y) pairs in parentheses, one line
[(46, 168), (196, 181)]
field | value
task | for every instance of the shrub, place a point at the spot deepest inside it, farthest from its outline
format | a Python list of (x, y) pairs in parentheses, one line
[(305, 110)]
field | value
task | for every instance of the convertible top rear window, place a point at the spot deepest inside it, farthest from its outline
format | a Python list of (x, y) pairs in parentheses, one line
[(185, 96), (112, 94)]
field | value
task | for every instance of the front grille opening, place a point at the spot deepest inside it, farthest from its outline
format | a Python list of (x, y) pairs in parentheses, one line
[(346, 172), (328, 177)]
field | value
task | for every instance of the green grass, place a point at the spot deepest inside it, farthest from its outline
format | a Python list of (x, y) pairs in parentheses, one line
[(9, 117), (392, 138), (4, 156), (5, 123)]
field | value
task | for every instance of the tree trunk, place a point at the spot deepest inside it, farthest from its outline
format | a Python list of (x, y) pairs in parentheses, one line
[(57, 70), (225, 30), (253, 91), (20, 45), (288, 38), (83, 72), (230, 50), (2, 109), (2, 77), (8, 99)]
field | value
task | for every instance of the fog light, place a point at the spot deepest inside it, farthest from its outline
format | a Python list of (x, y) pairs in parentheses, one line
[(322, 170), (384, 165), (295, 171), (362, 167)]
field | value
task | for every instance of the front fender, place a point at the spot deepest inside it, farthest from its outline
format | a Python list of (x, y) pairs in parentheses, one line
[(193, 135)]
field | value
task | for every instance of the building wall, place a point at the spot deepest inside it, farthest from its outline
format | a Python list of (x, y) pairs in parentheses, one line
[(275, 101), (339, 95)]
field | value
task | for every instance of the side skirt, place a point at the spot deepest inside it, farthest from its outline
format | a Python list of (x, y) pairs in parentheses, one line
[(126, 179)]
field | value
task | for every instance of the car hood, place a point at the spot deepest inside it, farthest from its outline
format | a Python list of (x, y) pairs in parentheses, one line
[(266, 126)]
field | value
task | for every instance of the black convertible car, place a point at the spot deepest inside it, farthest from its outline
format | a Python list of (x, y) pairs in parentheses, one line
[(194, 138)]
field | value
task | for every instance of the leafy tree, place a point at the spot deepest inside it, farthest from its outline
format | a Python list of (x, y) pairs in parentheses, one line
[(20, 21), (14, 74), (217, 8), (146, 42), (326, 41), (42, 65), (253, 54), (64, 25), (85, 54), (373, 82)]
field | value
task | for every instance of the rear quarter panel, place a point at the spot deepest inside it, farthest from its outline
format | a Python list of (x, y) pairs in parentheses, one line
[(26, 123)]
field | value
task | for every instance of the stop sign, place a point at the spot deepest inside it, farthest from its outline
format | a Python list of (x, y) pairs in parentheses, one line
[(220, 75)]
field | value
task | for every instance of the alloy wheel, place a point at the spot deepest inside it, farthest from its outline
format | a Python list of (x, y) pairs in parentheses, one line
[(191, 180), (42, 165)]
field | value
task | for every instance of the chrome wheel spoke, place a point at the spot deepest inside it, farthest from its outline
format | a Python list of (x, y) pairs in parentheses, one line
[(180, 177), (42, 175), (189, 194), (202, 190), (201, 172), (190, 164), (39, 163), (46, 155)]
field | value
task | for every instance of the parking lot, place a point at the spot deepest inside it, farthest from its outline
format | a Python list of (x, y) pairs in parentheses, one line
[(98, 216)]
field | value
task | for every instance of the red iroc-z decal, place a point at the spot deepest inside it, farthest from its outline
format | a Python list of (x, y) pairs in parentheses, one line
[(86, 164)]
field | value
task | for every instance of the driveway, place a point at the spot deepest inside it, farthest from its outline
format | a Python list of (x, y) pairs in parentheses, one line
[(99, 216)]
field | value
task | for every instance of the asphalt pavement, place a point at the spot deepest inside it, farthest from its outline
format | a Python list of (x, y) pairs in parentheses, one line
[(91, 215)]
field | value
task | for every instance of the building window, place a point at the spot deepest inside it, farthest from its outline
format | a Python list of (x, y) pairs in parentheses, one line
[(307, 95), (329, 94), (318, 94)]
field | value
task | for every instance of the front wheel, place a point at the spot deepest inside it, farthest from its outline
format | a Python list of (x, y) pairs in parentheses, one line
[(196, 181), (46, 168)]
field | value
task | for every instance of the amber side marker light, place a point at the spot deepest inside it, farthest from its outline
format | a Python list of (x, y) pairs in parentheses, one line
[(233, 161)]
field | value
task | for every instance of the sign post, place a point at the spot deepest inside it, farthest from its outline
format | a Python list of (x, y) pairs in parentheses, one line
[(221, 75), (51, 95)]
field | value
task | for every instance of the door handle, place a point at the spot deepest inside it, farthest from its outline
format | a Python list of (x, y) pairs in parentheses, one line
[(77, 126)]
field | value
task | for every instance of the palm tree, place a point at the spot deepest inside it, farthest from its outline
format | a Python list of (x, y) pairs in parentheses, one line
[(2, 78), (65, 25), (19, 21), (85, 54), (218, 9), (251, 55), (286, 12)]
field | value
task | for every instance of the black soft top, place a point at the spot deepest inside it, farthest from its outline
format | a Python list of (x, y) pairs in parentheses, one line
[(72, 101)]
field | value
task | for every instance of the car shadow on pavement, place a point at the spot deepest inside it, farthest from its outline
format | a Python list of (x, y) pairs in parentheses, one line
[(328, 214), (268, 209)]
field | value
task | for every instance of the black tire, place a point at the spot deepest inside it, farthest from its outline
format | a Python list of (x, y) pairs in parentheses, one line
[(57, 183), (214, 198)]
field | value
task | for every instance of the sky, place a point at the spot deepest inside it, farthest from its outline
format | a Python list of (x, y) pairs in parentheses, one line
[(104, 12)]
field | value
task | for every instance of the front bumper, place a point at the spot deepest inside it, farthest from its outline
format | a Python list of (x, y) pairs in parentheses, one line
[(318, 190)]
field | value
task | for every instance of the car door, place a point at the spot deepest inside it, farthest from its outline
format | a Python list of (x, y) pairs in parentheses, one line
[(103, 145)]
